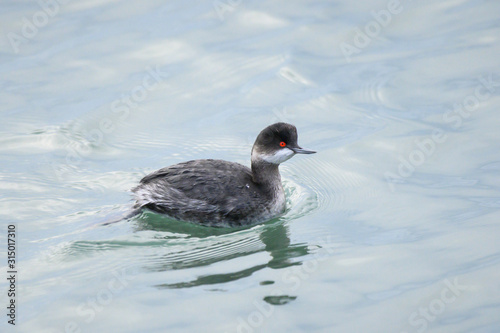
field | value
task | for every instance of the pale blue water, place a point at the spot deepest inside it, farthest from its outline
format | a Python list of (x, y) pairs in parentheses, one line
[(392, 226)]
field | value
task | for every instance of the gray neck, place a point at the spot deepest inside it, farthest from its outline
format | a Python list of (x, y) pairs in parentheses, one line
[(267, 175)]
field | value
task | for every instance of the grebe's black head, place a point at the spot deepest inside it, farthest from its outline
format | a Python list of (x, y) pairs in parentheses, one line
[(276, 144)]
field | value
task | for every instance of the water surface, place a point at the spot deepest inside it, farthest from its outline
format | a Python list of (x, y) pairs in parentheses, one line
[(391, 227)]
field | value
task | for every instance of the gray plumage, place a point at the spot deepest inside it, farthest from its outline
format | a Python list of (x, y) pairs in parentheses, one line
[(221, 193)]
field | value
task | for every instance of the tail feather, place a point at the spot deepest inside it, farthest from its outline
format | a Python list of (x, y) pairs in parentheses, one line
[(125, 216)]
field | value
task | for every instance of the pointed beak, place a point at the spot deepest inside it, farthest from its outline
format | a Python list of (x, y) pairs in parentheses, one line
[(299, 150)]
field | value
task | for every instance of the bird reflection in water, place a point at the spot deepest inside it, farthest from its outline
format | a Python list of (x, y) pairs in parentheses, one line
[(207, 246)]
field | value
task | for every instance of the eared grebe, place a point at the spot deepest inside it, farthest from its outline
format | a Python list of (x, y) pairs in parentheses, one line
[(220, 193)]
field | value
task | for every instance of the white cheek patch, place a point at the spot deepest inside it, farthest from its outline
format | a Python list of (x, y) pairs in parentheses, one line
[(279, 157)]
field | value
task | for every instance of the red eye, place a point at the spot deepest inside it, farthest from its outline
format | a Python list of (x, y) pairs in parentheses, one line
[(282, 144)]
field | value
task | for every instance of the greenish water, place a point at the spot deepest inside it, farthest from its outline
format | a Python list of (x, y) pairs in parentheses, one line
[(391, 227)]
